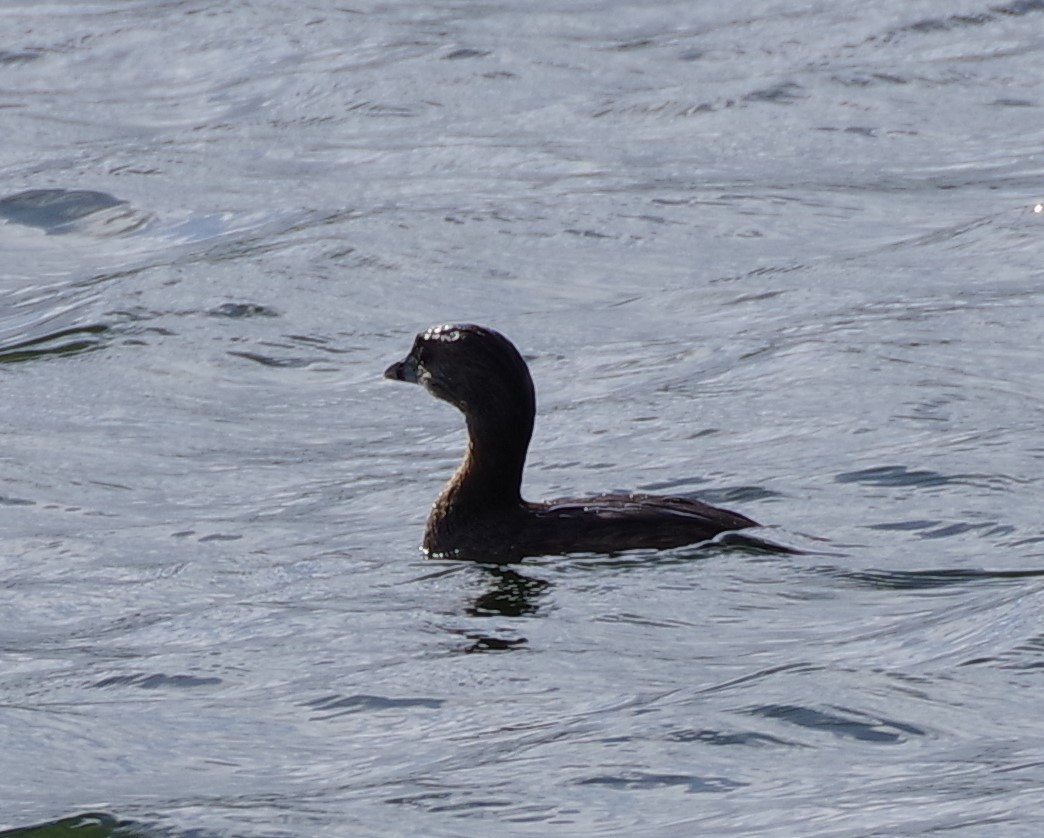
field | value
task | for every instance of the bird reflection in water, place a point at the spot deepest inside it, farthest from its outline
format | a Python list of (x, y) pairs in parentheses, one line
[(508, 594)]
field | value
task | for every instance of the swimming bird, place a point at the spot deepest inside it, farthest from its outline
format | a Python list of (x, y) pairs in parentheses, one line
[(480, 513)]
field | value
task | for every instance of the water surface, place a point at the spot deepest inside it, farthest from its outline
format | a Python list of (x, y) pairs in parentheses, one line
[(785, 257)]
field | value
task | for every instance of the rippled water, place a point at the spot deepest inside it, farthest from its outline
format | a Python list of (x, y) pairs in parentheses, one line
[(786, 256)]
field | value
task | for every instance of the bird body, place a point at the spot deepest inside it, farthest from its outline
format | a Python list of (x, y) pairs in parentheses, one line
[(480, 513)]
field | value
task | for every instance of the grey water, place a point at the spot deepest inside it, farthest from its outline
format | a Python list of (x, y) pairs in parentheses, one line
[(786, 256)]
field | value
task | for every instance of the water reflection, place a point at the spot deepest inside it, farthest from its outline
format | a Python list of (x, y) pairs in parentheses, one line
[(507, 593), (511, 594)]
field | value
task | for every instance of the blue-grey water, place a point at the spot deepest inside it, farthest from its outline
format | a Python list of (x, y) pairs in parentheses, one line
[(785, 255)]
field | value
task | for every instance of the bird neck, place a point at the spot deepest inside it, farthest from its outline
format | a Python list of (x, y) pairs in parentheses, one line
[(491, 472)]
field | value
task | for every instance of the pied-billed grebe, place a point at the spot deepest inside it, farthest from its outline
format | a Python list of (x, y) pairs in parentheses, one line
[(480, 514)]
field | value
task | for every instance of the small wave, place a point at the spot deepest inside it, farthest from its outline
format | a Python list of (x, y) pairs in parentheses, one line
[(638, 781), (156, 681), (61, 211), (923, 579), (71, 341), (337, 705), (926, 26), (849, 724), (897, 476), (242, 310)]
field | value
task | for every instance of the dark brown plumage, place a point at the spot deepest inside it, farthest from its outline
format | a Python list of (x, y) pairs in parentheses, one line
[(480, 513)]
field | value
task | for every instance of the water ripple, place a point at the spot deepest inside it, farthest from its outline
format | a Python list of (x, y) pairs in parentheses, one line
[(843, 723), (63, 211), (927, 579), (645, 781)]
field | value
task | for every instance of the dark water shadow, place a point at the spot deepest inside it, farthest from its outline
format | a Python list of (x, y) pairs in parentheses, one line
[(928, 579), (60, 211), (54, 209), (242, 311), (721, 496), (87, 825), (507, 594), (480, 642), (734, 542), (985, 16), (647, 781), (25, 56), (510, 594), (898, 475), (1027, 656), (841, 722), (332, 706), (726, 739), (71, 341), (155, 681), (933, 528)]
